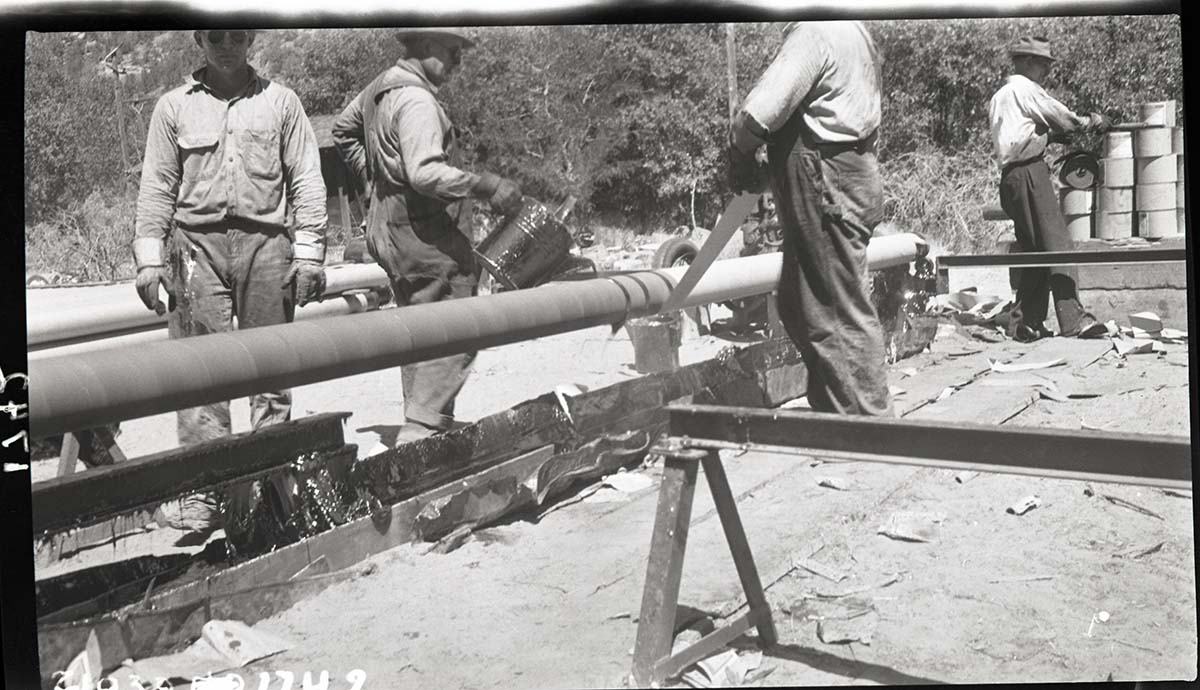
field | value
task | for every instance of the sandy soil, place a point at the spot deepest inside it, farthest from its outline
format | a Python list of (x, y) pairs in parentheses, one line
[(994, 598)]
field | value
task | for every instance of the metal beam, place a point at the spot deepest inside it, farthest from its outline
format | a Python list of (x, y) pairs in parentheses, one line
[(1140, 459), (100, 492), (1078, 257), (95, 388)]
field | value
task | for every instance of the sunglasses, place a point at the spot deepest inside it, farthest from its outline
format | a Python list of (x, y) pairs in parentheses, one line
[(237, 37)]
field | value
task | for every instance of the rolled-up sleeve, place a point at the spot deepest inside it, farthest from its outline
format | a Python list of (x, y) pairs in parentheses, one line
[(159, 185), (1045, 110), (787, 80), (349, 136), (302, 175), (418, 123)]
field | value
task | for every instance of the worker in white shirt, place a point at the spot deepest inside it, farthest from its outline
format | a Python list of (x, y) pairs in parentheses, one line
[(1023, 117), (817, 109)]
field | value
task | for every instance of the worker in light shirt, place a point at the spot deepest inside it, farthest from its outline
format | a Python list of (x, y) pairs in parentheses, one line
[(817, 109), (1023, 118)]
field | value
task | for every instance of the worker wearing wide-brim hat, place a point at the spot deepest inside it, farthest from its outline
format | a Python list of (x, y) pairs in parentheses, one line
[(1023, 117), (398, 140)]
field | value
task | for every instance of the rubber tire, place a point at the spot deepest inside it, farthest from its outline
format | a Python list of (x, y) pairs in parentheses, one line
[(677, 251)]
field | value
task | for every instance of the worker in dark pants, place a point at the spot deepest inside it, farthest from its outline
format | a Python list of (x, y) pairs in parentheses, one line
[(229, 156), (1023, 117), (817, 109), (397, 139)]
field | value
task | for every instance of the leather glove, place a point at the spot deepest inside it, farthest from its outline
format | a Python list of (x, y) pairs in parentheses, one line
[(309, 277), (746, 173), (502, 194), (1098, 121), (148, 280)]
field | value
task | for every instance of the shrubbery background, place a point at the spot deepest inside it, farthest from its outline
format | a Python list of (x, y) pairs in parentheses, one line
[(629, 119)]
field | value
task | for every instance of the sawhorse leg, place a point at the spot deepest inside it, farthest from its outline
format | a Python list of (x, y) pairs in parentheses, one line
[(774, 323), (653, 661), (77, 445)]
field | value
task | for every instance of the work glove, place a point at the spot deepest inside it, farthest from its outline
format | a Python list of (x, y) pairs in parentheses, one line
[(1098, 121), (148, 280), (502, 194), (309, 277), (746, 169)]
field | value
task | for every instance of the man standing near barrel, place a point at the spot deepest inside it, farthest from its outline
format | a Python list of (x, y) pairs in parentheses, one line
[(817, 110), (229, 156), (396, 137), (1023, 116)]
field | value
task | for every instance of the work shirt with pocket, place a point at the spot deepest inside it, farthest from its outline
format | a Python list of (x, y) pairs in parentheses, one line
[(252, 158), (1022, 115)]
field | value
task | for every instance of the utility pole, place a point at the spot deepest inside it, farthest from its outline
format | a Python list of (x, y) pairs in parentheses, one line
[(731, 69), (111, 62)]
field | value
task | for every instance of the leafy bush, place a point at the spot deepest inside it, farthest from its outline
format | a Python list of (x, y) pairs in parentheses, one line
[(87, 241)]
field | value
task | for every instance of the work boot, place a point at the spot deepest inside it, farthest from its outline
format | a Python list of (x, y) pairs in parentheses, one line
[(1026, 334), (198, 513)]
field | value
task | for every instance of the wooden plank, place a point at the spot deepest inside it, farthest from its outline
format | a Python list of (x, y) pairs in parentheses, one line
[(668, 544), (703, 648), (76, 499), (71, 451)]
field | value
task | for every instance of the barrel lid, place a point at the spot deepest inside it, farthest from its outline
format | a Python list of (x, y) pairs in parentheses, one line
[(1079, 169)]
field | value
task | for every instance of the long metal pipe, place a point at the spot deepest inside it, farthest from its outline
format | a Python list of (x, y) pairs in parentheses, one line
[(68, 315), (336, 305), (94, 388)]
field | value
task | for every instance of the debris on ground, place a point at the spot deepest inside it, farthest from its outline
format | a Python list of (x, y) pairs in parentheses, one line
[(727, 669), (965, 476), (1137, 346), (1003, 368), (1118, 501), (1023, 506), (86, 668), (836, 483), (223, 646), (856, 626), (1026, 578), (912, 526), (886, 581), (1147, 321), (1177, 494), (828, 572), (1140, 552)]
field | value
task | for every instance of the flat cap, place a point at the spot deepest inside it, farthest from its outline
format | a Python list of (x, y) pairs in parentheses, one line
[(1036, 46), (436, 31)]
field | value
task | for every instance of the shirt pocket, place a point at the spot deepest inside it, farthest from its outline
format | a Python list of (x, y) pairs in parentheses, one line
[(197, 154), (260, 153)]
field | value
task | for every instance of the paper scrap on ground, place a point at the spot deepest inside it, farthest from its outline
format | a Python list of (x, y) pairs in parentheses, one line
[(895, 391), (1137, 346), (1002, 368), (85, 669), (836, 483), (885, 581), (628, 482), (828, 572), (1140, 552), (860, 628), (965, 476), (912, 526), (566, 390), (908, 371), (1023, 506), (727, 669), (1147, 321)]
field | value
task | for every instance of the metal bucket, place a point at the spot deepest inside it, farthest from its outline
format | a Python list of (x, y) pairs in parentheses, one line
[(526, 249)]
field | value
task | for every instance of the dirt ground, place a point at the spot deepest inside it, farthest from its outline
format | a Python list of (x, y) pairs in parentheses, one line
[(551, 600)]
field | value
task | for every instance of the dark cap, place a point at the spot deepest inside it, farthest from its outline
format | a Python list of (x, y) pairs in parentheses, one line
[(1036, 46), (436, 32)]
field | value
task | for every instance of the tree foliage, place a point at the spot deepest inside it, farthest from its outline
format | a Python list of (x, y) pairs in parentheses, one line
[(630, 119)]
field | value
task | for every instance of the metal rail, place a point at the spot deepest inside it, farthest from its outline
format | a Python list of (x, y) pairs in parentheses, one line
[(1099, 456), (1077, 257)]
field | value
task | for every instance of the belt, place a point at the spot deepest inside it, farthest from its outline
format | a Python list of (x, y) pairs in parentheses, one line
[(864, 145), (1016, 164)]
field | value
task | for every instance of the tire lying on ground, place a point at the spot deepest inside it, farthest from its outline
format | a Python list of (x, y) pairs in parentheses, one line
[(677, 251)]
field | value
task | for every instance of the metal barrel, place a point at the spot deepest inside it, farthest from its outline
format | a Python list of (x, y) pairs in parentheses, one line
[(527, 248)]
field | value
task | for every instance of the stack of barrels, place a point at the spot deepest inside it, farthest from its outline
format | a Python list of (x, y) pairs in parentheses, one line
[(1114, 203), (1157, 166), (1140, 181)]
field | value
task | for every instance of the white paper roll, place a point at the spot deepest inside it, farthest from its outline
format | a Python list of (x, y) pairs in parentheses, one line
[(1155, 224), (1075, 202), (1079, 226), (1160, 113), (1148, 143), (1154, 197), (1115, 172), (1114, 226), (1118, 145), (1177, 140), (1115, 200), (1156, 170)]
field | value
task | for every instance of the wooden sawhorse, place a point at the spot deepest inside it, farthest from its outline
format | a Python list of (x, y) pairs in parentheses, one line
[(653, 661)]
